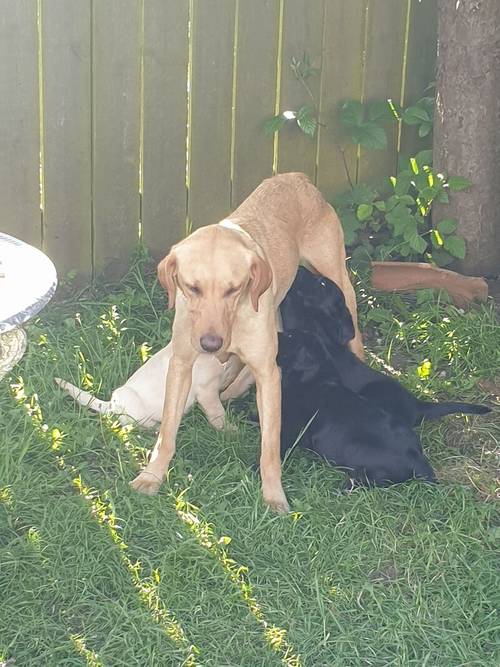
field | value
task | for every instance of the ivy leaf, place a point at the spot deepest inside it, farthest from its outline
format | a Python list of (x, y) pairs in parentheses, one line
[(364, 211), (352, 113), (457, 183), (447, 226), (417, 243), (274, 124), (455, 245)]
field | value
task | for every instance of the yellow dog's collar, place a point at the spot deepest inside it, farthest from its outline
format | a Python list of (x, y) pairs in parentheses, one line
[(229, 224)]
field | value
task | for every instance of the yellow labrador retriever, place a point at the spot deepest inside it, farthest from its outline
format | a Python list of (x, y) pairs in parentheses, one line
[(227, 281)]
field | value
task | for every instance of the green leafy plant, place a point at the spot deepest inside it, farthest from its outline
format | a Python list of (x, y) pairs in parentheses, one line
[(306, 116), (394, 221)]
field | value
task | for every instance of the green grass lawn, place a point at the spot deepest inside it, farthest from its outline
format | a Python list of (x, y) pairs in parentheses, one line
[(203, 574)]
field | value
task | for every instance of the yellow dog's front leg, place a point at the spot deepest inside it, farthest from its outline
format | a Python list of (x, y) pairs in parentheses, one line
[(178, 384), (268, 381)]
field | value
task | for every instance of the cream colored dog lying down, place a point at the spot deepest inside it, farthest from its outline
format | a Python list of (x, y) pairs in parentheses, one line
[(141, 398)]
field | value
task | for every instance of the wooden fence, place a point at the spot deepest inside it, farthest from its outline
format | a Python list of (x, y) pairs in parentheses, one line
[(128, 118)]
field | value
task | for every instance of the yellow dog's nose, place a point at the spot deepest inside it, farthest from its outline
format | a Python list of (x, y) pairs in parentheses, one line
[(211, 342)]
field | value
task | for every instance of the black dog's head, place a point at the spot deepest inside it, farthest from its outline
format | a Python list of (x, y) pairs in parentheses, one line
[(317, 297), (301, 355)]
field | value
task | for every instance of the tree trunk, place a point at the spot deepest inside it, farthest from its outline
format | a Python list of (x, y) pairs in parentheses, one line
[(467, 125)]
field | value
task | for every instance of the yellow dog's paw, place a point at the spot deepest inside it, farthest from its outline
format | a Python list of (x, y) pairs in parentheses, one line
[(147, 483), (277, 502)]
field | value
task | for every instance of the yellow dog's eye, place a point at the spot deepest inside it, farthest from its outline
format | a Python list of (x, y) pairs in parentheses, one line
[(231, 291), (194, 290)]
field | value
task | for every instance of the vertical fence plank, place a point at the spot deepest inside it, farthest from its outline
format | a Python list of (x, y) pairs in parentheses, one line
[(67, 217), (165, 123), (255, 94), (19, 121), (302, 35), (116, 126), (211, 99), (341, 79), (420, 66), (383, 78)]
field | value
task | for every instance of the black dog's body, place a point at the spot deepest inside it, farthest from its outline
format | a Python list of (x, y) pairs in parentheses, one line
[(317, 304), (371, 445)]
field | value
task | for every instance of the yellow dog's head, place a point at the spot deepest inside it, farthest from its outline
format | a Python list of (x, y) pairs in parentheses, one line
[(215, 270)]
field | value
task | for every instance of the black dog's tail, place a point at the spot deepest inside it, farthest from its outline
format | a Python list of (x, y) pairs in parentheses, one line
[(435, 410)]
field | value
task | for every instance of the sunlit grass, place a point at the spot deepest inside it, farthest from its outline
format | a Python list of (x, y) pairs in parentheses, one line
[(93, 574)]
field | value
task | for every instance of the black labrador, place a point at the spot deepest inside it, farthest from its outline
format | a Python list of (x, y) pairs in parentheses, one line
[(372, 446), (317, 304)]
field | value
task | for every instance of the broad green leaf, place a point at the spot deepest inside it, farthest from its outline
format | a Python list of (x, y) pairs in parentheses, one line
[(370, 136), (274, 124), (403, 226), (401, 211), (427, 103), (424, 158), (364, 211), (447, 226), (428, 193), (360, 258), (307, 121), (442, 197), (403, 183), (363, 194), (455, 245), (405, 250), (418, 244), (380, 111), (415, 116), (351, 113), (350, 225), (407, 200), (441, 257), (457, 183), (392, 201), (424, 130), (380, 205)]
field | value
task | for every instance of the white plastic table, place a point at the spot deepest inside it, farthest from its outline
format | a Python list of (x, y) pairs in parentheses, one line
[(28, 280)]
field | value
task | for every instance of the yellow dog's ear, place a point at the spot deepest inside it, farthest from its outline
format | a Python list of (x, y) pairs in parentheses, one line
[(167, 271), (261, 278)]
